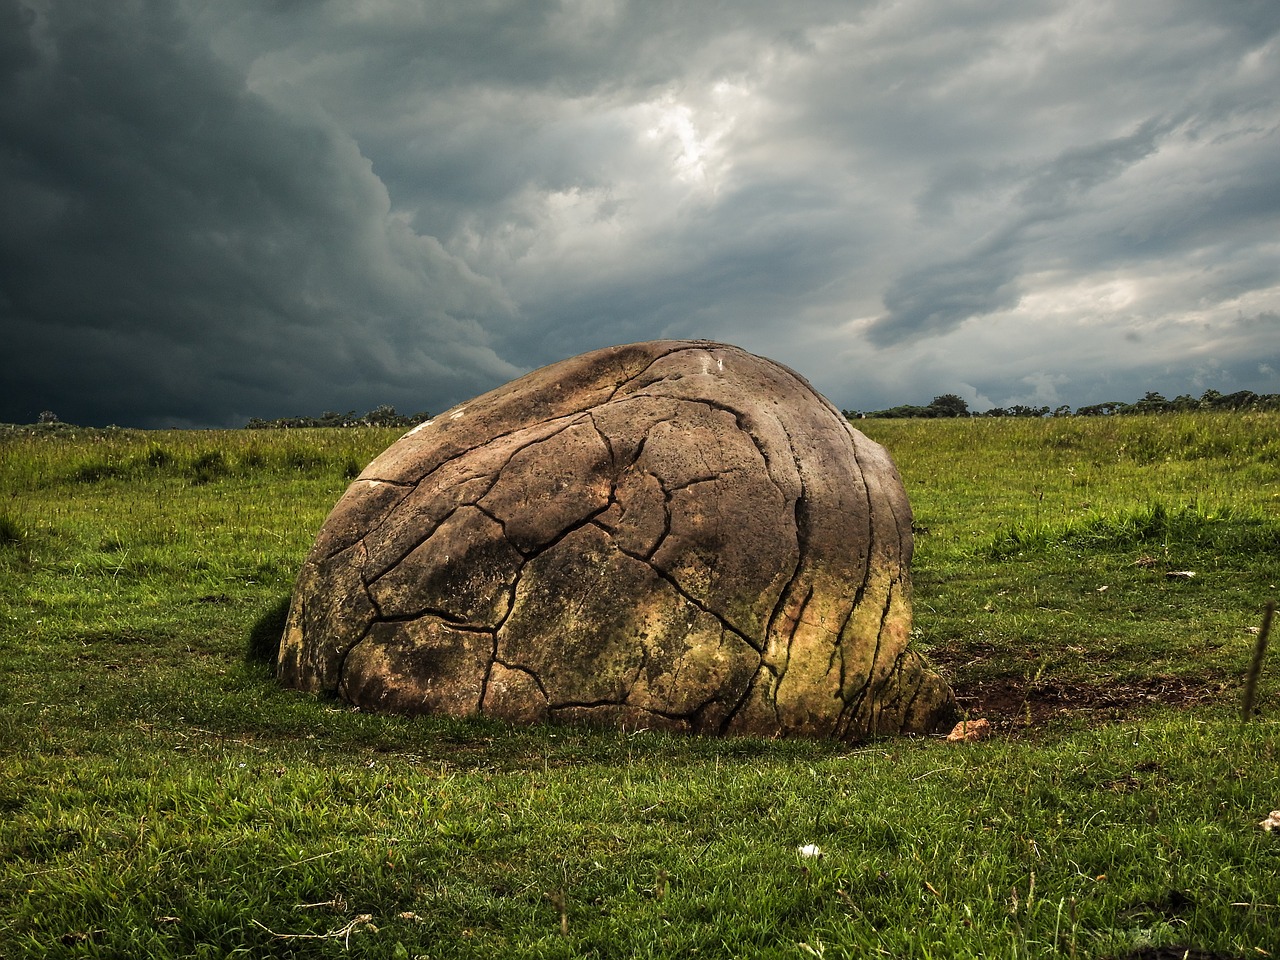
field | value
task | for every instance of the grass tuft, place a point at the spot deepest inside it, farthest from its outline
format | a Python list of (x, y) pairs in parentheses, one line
[(209, 466), (11, 532), (1191, 525)]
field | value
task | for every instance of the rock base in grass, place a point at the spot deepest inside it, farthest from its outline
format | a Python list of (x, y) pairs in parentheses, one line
[(673, 535)]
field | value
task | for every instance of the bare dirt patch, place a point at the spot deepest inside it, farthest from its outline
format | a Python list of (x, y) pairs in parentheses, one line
[(1015, 703)]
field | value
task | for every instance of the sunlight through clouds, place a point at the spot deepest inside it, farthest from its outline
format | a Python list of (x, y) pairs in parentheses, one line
[(694, 138)]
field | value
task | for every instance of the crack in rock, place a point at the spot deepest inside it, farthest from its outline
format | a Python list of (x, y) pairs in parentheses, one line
[(673, 534)]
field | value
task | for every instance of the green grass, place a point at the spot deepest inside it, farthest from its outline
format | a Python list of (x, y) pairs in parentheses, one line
[(160, 796), (1045, 552)]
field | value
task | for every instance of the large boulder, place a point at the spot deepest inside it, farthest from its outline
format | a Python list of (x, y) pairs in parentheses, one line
[(674, 534)]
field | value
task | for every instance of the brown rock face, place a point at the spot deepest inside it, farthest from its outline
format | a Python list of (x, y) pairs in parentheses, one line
[(674, 534)]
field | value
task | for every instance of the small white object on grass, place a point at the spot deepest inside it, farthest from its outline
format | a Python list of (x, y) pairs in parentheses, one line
[(810, 850), (1272, 822)]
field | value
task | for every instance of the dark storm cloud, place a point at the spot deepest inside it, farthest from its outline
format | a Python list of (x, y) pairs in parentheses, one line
[(208, 256), (936, 297), (939, 296), (217, 211)]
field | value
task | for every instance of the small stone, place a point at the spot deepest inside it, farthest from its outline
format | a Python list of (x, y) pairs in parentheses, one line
[(969, 730)]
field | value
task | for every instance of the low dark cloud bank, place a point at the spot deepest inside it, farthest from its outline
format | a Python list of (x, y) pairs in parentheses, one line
[(217, 212)]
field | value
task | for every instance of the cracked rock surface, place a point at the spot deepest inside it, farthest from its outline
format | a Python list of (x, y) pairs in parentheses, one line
[(673, 534)]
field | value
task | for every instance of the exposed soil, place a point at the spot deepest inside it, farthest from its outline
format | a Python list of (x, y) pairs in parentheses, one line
[(1015, 703)]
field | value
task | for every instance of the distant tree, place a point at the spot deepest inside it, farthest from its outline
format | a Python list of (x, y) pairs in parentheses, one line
[(48, 416), (949, 405), (1151, 402), (1240, 400), (381, 416), (1106, 409), (905, 411)]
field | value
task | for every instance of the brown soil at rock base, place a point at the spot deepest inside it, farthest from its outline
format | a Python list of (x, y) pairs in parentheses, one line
[(1014, 704)]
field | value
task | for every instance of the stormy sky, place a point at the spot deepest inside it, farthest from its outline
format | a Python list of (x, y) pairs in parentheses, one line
[(258, 208)]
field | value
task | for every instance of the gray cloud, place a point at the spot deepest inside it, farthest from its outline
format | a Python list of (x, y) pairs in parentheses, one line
[(936, 297), (263, 209), (183, 250)]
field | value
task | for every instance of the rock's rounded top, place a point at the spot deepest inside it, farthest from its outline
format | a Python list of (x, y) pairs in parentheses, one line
[(674, 533)]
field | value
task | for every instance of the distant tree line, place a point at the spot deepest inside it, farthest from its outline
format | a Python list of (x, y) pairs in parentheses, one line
[(946, 405), (950, 405), (380, 416)]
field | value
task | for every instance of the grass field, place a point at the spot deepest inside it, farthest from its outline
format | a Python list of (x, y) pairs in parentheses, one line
[(1093, 586)]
